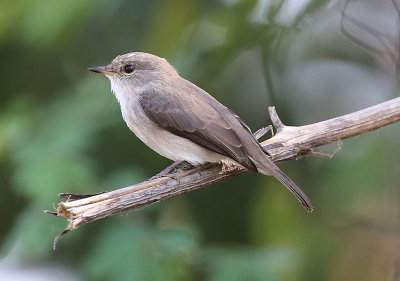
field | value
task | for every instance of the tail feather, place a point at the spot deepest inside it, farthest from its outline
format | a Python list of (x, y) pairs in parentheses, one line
[(267, 167), (300, 195)]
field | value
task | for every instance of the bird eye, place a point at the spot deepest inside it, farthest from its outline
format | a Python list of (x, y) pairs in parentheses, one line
[(129, 68)]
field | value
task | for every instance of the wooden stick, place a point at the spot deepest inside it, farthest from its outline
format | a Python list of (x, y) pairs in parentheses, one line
[(288, 143)]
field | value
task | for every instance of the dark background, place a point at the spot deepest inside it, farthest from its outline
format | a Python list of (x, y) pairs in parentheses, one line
[(61, 131)]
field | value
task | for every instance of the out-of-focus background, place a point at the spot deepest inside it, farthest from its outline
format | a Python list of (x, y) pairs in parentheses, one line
[(61, 131)]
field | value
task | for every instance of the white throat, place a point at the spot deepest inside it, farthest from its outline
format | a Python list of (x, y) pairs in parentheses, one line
[(122, 91)]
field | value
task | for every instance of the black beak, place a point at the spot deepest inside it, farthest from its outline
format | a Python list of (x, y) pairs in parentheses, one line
[(102, 70)]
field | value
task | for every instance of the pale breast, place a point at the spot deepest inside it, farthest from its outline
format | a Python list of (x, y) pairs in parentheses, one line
[(163, 142)]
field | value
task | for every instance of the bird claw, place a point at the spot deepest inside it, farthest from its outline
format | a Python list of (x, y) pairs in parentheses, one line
[(272, 146), (164, 175), (75, 196)]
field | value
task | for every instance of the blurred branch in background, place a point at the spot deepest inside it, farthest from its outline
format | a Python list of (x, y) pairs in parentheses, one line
[(289, 143), (388, 45)]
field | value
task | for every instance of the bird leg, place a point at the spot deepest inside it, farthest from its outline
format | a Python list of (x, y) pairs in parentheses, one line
[(167, 170), (76, 196), (163, 173)]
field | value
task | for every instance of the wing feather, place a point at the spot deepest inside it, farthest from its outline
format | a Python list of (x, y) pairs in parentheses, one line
[(198, 121)]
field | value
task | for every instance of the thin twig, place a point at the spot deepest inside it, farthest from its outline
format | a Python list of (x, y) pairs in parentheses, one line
[(261, 132), (389, 43), (397, 63), (366, 28)]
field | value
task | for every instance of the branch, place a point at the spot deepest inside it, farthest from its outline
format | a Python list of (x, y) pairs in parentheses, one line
[(288, 143)]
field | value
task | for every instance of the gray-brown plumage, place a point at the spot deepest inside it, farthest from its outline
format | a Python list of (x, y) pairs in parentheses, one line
[(180, 121)]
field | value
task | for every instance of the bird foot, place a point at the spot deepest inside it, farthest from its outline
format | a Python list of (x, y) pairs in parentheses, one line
[(75, 196), (166, 171), (159, 175)]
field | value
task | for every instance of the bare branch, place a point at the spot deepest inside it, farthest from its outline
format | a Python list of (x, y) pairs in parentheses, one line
[(289, 142)]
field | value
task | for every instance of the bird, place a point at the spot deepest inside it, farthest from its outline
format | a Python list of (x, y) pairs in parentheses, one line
[(182, 122)]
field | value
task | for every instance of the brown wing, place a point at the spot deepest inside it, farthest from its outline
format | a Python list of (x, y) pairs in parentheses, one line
[(194, 116)]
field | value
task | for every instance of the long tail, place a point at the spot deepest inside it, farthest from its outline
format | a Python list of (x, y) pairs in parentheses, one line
[(300, 195), (267, 167)]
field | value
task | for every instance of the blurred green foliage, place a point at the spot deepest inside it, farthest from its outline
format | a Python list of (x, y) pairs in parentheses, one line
[(61, 131)]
